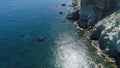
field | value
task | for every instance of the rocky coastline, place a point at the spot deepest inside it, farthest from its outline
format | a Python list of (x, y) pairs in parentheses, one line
[(100, 21)]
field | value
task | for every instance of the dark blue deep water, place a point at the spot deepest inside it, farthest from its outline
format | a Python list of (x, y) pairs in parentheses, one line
[(22, 22)]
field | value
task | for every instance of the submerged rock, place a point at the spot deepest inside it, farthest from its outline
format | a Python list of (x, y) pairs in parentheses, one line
[(23, 51), (60, 12), (23, 35), (63, 4), (41, 39)]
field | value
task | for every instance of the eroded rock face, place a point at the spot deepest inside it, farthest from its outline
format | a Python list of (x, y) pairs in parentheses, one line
[(76, 2), (98, 13), (103, 19), (96, 32), (91, 11), (109, 36), (74, 13)]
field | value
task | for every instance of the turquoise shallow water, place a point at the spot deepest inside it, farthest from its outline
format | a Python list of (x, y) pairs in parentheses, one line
[(22, 22)]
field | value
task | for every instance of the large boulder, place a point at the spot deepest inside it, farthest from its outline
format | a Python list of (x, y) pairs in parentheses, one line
[(96, 32), (91, 11)]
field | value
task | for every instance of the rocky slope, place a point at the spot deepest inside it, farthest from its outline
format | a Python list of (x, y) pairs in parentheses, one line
[(102, 19), (91, 11), (107, 32)]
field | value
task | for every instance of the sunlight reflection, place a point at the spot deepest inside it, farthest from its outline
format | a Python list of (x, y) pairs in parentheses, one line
[(70, 54)]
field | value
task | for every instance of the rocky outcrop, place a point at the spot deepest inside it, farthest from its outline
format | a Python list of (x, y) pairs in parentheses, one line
[(102, 17), (74, 12), (110, 37), (91, 11), (107, 32)]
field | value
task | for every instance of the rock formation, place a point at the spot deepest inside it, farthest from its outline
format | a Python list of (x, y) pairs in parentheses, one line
[(109, 36), (107, 32), (74, 12), (102, 17), (91, 11)]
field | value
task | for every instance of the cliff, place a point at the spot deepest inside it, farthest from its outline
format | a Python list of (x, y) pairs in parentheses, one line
[(91, 11), (102, 19), (107, 33)]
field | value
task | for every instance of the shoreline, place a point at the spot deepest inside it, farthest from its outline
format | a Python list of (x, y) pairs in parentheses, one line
[(99, 52), (87, 34)]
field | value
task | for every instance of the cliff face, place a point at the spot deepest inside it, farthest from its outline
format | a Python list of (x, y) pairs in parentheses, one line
[(91, 11), (107, 33), (102, 18)]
